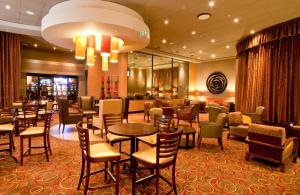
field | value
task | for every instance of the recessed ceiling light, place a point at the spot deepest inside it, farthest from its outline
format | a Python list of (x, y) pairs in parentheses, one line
[(35, 45), (200, 51), (193, 32), (212, 41), (204, 16), (184, 47), (164, 41), (235, 20), (227, 46), (30, 12), (198, 58), (54, 48), (131, 51), (166, 21), (71, 50), (211, 3), (252, 31), (7, 7), (171, 43), (213, 55)]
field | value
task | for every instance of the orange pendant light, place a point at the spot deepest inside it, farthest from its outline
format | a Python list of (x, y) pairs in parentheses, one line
[(98, 43), (90, 52), (80, 46), (114, 57), (104, 63), (105, 45), (114, 45)]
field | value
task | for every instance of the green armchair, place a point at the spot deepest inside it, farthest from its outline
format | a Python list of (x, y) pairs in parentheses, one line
[(257, 116), (212, 130), (213, 112), (65, 117)]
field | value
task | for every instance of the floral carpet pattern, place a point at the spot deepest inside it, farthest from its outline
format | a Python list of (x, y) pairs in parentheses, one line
[(207, 170)]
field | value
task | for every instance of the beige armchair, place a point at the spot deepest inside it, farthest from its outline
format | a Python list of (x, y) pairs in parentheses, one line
[(212, 130), (238, 124), (213, 113), (257, 117), (107, 106), (270, 143)]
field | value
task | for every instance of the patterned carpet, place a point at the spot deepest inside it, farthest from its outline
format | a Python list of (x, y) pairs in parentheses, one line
[(199, 171)]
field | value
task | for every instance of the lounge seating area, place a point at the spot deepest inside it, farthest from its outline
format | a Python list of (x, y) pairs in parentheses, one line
[(149, 97)]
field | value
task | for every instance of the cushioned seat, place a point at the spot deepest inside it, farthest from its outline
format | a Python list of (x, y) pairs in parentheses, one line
[(29, 116), (238, 124), (32, 131), (150, 139), (87, 112), (103, 150), (43, 112), (149, 156), (7, 127), (113, 138)]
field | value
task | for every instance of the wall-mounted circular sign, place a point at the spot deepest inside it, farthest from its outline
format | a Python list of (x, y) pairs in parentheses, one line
[(216, 82)]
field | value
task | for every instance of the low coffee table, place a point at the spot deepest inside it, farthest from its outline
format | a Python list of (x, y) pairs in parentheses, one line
[(187, 131)]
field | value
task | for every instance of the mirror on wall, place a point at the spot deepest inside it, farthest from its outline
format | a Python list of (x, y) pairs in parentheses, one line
[(151, 76)]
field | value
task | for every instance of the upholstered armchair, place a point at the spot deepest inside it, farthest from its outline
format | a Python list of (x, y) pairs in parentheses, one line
[(257, 116), (270, 143), (213, 113), (185, 113), (238, 124), (86, 105), (196, 111), (147, 107), (212, 130), (65, 117)]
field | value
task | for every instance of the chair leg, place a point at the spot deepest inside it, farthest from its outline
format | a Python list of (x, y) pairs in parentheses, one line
[(174, 179), (10, 143), (199, 141), (177, 122), (105, 170), (49, 146), (221, 143), (81, 172), (29, 145), (87, 178), (117, 176), (198, 119), (59, 126), (46, 147), (22, 150), (157, 181), (63, 128)]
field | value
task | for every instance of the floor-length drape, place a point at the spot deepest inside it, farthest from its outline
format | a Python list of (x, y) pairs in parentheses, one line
[(269, 73), (10, 57)]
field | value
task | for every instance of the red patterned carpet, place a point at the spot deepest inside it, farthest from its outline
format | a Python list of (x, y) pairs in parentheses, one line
[(199, 171)]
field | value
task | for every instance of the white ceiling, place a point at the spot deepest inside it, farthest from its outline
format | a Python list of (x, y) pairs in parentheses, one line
[(252, 14)]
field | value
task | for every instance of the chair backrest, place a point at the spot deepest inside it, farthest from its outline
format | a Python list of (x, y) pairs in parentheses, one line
[(213, 113), (48, 119), (109, 106), (63, 109), (86, 102), (157, 104), (162, 123), (111, 119), (30, 109), (185, 113), (221, 119), (167, 146), (168, 111), (259, 110), (196, 109), (49, 105), (84, 139)]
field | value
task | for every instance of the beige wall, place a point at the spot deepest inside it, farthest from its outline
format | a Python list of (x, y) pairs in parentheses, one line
[(137, 81), (118, 70), (47, 62), (200, 72)]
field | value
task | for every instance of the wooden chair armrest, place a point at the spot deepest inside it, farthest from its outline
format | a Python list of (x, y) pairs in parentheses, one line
[(266, 145)]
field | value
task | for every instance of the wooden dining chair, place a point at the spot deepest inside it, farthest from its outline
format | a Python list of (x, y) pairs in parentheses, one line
[(94, 153), (162, 156), (29, 115), (31, 132)]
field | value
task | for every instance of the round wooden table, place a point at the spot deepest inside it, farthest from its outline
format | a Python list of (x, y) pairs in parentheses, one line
[(132, 130)]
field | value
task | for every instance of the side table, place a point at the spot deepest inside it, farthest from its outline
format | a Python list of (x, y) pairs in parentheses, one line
[(294, 131), (187, 131)]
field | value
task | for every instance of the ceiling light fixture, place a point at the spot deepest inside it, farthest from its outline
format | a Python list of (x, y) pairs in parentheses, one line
[(227, 46), (212, 41), (166, 21), (184, 47), (252, 32), (35, 45), (164, 41), (30, 12), (7, 7), (213, 55), (235, 20), (171, 43), (211, 3), (200, 51), (193, 32), (203, 16), (54, 48)]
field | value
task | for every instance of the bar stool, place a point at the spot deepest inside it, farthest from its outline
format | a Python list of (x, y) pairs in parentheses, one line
[(93, 153), (8, 129), (37, 132)]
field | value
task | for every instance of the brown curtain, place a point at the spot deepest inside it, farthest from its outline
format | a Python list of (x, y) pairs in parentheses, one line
[(269, 73), (10, 56)]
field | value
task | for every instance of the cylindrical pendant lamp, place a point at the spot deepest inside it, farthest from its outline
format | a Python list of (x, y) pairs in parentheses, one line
[(104, 63), (114, 45), (114, 57), (80, 46), (105, 45)]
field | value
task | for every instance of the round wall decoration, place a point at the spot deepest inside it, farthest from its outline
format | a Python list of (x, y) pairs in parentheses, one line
[(216, 82)]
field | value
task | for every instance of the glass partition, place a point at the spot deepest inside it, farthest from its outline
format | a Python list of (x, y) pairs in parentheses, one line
[(153, 76)]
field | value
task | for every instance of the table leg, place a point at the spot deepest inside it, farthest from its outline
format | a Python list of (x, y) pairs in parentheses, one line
[(194, 139), (132, 150)]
